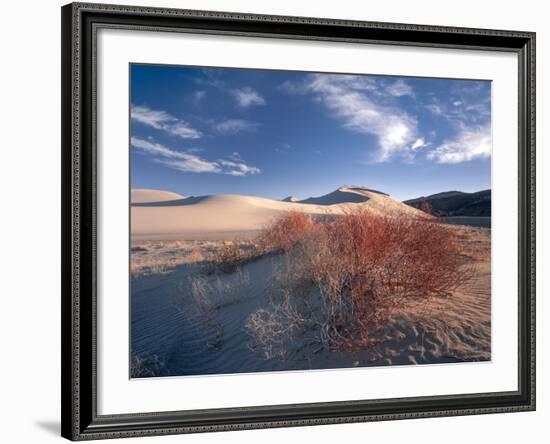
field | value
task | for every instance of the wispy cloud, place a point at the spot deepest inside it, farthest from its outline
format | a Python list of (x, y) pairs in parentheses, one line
[(187, 161), (247, 97), (400, 88), (198, 96), (233, 126), (468, 111), (419, 143), (211, 78), (435, 109), (238, 168), (349, 100), (283, 147), (163, 121), (470, 143), (372, 105), (467, 104)]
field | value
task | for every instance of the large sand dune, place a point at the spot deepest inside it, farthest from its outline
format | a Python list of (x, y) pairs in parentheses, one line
[(164, 215), (139, 195)]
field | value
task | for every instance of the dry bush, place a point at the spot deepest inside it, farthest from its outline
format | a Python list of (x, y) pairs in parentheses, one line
[(206, 307), (287, 231), (272, 328), (210, 295), (231, 255), (363, 265), (368, 264), (278, 237)]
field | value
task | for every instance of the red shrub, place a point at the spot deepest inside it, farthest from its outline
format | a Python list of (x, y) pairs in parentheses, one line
[(285, 232), (363, 265)]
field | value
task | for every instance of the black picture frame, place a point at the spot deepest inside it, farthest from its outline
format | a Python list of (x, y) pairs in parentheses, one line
[(80, 22)]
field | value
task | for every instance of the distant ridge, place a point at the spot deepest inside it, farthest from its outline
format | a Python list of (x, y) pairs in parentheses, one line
[(456, 203)]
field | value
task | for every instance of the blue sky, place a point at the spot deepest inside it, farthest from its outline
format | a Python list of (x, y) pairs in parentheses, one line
[(198, 131)]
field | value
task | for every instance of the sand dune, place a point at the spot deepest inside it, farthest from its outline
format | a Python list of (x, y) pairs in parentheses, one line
[(219, 216), (140, 196), (345, 194)]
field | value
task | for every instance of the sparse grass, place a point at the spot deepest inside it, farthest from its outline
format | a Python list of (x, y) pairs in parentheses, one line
[(232, 254), (363, 265), (162, 257), (210, 294), (278, 237)]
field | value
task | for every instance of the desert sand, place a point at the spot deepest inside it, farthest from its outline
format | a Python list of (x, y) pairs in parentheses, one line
[(161, 215), (138, 196), (174, 333), (169, 328)]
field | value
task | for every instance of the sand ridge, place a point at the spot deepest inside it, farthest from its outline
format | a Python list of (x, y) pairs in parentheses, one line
[(173, 216), (139, 195)]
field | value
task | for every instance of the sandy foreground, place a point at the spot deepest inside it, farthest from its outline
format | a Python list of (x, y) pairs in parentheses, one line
[(454, 328), (172, 239), (458, 325)]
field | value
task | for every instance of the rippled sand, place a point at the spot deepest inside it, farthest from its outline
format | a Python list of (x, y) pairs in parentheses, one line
[(182, 336)]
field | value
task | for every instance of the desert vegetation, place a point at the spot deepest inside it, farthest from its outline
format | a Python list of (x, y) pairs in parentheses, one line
[(163, 257), (361, 287), (342, 279)]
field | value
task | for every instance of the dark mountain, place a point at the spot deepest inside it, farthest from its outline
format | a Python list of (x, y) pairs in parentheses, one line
[(455, 203)]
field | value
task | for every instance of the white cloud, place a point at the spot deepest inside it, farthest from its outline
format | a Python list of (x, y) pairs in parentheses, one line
[(419, 143), (468, 144), (180, 160), (469, 114), (400, 88), (161, 120), (233, 126), (370, 105), (191, 163), (247, 97), (348, 98), (239, 168)]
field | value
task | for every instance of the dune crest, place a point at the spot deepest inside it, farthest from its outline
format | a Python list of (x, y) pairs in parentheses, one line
[(225, 215), (139, 195), (344, 194)]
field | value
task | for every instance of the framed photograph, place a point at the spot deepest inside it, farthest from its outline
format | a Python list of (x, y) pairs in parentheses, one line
[(281, 221)]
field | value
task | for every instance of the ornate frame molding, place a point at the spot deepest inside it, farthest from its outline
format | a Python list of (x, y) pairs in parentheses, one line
[(80, 22)]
